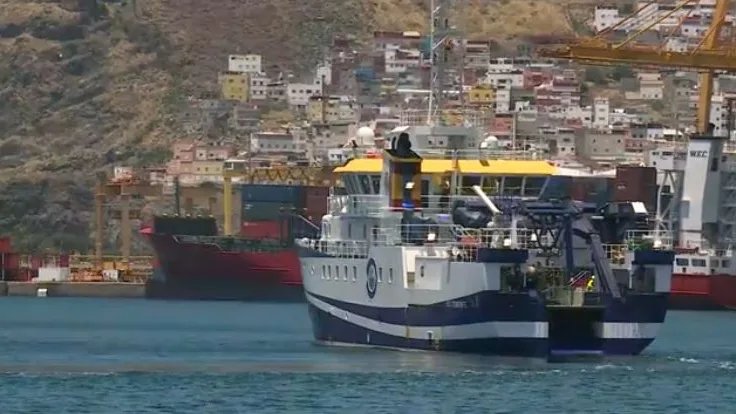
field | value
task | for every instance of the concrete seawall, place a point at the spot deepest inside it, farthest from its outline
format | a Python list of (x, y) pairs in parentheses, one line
[(75, 289)]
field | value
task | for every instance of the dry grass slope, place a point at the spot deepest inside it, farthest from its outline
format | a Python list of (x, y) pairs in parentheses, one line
[(81, 80)]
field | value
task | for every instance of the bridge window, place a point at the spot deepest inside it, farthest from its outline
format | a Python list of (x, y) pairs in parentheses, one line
[(726, 263), (682, 262), (351, 184), (491, 185), (699, 262), (467, 183), (512, 186), (376, 183), (365, 186), (533, 186)]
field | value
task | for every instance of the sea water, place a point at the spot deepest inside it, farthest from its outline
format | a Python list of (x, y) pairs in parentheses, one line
[(136, 356)]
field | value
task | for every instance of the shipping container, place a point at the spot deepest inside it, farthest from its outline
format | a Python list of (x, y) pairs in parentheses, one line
[(285, 230), (291, 194), (595, 190), (189, 226), (636, 184), (258, 211), (266, 229), (317, 191)]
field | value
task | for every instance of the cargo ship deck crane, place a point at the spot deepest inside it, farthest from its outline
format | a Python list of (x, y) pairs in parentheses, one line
[(707, 57)]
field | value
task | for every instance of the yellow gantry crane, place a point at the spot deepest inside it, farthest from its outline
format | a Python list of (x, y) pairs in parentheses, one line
[(710, 55)]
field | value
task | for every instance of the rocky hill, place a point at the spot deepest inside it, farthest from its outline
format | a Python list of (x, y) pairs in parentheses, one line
[(84, 83)]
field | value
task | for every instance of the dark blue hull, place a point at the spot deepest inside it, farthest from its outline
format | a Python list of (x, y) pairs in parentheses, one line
[(651, 310)]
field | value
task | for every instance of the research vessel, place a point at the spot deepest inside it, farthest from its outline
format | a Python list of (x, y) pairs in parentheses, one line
[(492, 272)]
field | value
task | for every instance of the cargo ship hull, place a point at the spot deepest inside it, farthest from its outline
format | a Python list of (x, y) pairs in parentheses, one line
[(202, 271), (703, 292)]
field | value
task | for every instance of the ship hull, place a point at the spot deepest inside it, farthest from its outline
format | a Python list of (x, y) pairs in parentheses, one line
[(508, 335), (703, 292), (347, 306), (199, 271)]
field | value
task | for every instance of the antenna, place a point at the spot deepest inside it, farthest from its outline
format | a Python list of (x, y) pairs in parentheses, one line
[(445, 44)]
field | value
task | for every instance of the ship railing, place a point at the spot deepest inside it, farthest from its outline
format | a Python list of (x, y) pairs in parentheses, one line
[(725, 248), (378, 205), (616, 253), (488, 154), (573, 296), (350, 249), (649, 239), (233, 243)]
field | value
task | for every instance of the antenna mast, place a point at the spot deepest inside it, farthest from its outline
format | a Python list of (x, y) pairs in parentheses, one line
[(445, 45)]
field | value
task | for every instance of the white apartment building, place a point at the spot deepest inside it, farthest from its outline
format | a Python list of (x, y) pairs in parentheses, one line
[(601, 113), (651, 87), (506, 79), (244, 63), (605, 17), (259, 86), (298, 94), (503, 100), (292, 141), (401, 60)]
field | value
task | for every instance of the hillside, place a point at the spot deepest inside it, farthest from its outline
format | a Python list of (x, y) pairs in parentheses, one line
[(84, 83)]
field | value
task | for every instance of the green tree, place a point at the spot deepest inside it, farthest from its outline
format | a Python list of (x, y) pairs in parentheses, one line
[(595, 75), (622, 72)]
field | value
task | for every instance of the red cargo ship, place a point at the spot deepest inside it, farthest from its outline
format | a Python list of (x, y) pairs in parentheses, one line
[(260, 264), (703, 281)]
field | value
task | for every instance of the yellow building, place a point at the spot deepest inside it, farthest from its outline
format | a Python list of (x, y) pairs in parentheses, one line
[(235, 86), (331, 109), (481, 95)]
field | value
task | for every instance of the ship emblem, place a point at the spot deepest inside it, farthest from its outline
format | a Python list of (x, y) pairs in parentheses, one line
[(371, 283)]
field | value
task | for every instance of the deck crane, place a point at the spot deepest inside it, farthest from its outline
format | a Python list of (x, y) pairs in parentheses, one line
[(707, 57)]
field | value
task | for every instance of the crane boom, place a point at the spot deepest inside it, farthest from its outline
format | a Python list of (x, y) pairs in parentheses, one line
[(595, 53), (707, 57)]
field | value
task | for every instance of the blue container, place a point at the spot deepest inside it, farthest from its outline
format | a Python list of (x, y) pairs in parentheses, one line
[(286, 194)]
